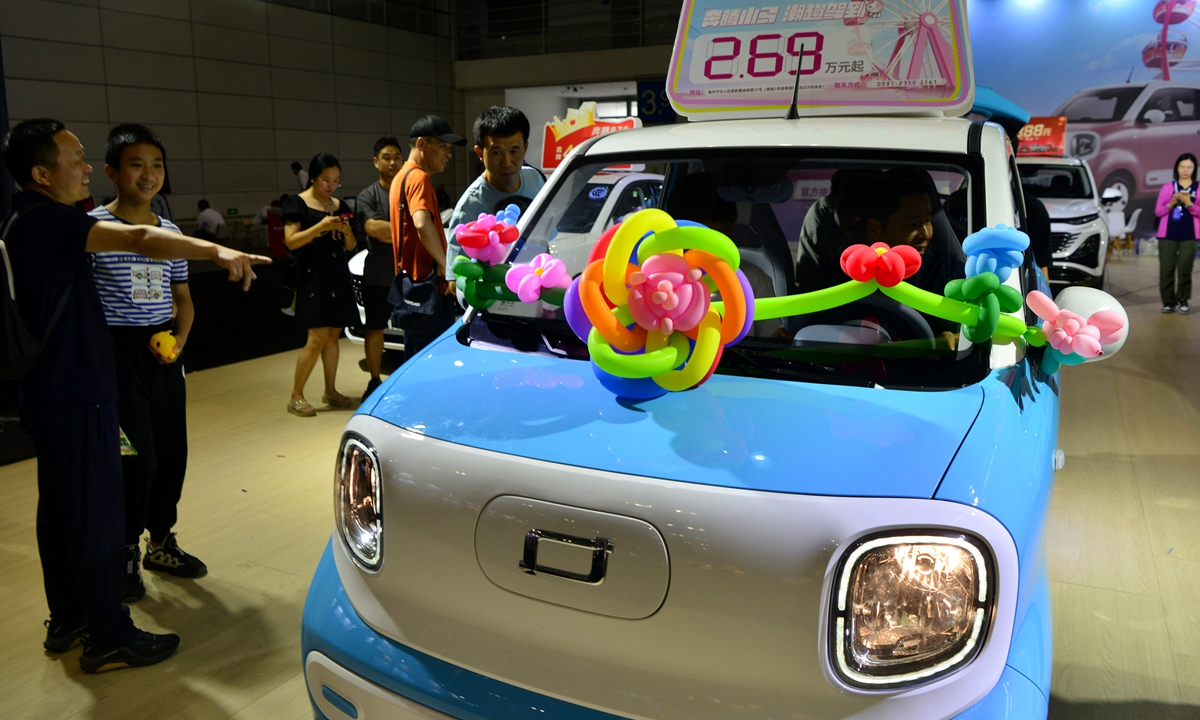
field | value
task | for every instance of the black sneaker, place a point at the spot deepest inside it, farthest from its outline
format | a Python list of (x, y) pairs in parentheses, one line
[(1167, 309), (372, 385), (142, 649), (61, 637), (132, 587), (1183, 307), (170, 559)]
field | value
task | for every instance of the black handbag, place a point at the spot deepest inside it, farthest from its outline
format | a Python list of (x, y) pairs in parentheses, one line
[(418, 306)]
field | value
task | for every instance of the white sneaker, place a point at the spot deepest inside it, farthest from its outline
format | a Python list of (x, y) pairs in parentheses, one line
[(1167, 309), (1183, 308)]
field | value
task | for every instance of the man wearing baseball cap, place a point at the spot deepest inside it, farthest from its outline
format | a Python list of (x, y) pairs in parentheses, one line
[(419, 239)]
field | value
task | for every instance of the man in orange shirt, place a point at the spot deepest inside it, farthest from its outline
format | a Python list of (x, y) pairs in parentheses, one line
[(418, 239)]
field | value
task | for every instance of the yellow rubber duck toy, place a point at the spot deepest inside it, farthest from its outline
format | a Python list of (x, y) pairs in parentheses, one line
[(163, 345)]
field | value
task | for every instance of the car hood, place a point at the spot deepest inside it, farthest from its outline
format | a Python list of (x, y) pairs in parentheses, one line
[(1062, 209), (758, 434)]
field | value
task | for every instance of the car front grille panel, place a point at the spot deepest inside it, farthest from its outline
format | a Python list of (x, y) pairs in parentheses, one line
[(1060, 241)]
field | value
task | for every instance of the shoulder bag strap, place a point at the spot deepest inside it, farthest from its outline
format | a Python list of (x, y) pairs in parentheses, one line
[(403, 209)]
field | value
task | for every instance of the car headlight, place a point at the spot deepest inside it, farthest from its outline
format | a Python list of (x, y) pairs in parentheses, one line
[(356, 501), (1082, 220), (910, 607), (1083, 145)]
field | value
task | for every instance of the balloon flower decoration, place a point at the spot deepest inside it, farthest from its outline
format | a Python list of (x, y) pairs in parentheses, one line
[(1074, 339), (488, 237), (480, 272), (643, 303)]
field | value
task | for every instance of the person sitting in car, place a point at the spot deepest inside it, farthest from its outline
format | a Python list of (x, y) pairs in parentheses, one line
[(826, 232), (896, 208)]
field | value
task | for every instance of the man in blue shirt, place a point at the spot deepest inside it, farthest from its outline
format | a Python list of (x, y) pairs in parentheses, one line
[(69, 400), (142, 297), (501, 140)]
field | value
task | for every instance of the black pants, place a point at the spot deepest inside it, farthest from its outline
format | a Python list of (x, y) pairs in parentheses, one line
[(81, 517), (1175, 260), (154, 418)]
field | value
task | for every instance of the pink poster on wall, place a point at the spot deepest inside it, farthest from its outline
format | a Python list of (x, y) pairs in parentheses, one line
[(562, 135), (862, 56)]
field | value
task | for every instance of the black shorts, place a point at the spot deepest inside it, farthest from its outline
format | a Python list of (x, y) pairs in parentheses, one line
[(375, 303)]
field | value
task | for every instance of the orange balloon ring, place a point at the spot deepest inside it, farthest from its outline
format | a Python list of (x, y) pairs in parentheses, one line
[(730, 288), (601, 314)]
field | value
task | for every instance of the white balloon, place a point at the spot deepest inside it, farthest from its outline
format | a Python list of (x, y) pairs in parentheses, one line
[(1084, 301)]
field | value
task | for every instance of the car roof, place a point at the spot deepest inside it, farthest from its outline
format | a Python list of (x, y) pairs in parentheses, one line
[(1153, 84), (933, 134)]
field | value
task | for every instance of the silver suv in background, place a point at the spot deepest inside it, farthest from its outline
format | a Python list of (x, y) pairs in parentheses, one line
[(1078, 228)]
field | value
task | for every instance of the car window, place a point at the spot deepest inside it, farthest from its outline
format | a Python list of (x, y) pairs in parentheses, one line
[(1176, 104), (1103, 105), (1061, 182), (777, 206)]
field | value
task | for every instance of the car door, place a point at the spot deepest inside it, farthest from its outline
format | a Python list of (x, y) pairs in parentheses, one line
[(1165, 137)]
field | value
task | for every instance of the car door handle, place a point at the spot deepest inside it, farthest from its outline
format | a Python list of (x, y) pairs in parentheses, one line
[(601, 549)]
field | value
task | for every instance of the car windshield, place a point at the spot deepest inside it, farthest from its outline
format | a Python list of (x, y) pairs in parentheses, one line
[(1106, 105), (1060, 182), (583, 211), (791, 214)]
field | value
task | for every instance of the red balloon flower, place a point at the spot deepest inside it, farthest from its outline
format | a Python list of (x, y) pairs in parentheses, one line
[(887, 265)]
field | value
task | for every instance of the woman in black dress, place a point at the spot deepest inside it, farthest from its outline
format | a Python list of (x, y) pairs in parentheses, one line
[(319, 238)]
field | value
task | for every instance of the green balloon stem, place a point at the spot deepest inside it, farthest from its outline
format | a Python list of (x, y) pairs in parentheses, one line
[(780, 307)]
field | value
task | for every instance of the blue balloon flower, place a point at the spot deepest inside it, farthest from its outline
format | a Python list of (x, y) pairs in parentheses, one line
[(996, 250), (509, 214)]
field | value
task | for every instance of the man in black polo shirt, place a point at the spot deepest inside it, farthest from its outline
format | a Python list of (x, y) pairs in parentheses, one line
[(69, 400), (380, 265)]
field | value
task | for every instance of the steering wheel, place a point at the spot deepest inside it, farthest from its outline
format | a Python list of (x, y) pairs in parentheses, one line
[(899, 321)]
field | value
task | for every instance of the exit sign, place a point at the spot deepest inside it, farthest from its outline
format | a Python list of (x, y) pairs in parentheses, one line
[(231, 211)]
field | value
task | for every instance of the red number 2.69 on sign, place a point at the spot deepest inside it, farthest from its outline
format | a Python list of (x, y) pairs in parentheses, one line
[(732, 56), (799, 44), (764, 62)]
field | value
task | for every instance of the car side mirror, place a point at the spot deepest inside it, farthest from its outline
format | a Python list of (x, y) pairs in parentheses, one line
[(1154, 117), (1085, 302)]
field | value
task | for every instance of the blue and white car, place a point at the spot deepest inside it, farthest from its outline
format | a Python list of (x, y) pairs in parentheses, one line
[(825, 529)]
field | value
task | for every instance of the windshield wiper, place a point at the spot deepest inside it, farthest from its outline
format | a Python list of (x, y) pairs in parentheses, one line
[(760, 360), (526, 334)]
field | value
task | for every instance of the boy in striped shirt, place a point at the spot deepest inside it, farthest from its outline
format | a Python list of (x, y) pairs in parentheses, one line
[(141, 297)]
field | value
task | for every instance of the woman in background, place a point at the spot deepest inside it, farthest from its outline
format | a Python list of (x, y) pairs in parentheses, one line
[(1178, 229), (317, 234)]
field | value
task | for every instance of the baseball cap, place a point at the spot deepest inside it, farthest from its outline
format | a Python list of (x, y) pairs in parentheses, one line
[(434, 126)]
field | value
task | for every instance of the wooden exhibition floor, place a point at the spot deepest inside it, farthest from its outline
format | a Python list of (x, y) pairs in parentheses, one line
[(1123, 544)]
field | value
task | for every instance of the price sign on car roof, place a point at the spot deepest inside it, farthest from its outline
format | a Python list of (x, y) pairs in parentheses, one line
[(734, 59)]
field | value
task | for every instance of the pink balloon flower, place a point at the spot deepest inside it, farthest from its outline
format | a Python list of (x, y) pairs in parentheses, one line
[(486, 239), (1069, 333), (544, 271), (667, 294)]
